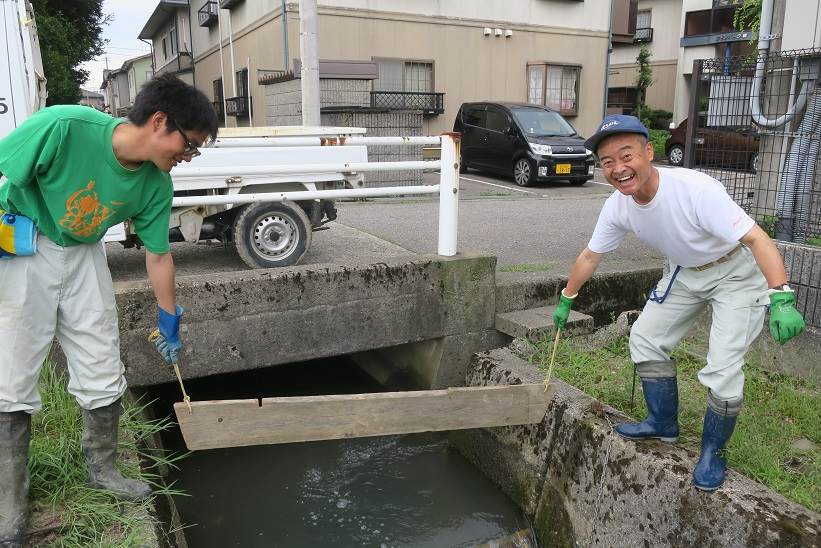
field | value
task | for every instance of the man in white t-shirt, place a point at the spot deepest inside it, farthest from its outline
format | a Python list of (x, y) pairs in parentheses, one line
[(718, 256)]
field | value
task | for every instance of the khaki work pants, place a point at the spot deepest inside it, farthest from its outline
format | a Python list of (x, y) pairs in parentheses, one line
[(62, 292), (737, 293)]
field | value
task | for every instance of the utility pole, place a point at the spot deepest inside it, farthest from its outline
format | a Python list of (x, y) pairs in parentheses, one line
[(309, 50)]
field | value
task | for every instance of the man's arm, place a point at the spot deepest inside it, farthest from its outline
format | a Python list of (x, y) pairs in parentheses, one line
[(785, 321), (766, 255), (160, 268), (586, 264)]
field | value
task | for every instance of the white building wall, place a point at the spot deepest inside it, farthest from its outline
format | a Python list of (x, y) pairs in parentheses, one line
[(802, 25)]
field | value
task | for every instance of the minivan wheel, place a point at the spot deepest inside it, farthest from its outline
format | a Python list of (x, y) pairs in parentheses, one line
[(675, 157), (523, 172)]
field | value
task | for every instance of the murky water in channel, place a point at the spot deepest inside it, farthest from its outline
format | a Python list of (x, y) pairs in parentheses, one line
[(391, 491)]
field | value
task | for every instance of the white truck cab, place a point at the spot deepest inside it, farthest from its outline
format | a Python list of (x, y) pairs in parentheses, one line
[(22, 84)]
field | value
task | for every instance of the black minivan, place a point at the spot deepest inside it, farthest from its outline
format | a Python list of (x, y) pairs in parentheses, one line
[(531, 142)]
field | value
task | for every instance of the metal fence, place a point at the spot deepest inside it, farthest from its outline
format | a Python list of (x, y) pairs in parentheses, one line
[(766, 157), (754, 123)]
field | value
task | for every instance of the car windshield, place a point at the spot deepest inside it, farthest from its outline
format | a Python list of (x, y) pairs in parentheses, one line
[(537, 122)]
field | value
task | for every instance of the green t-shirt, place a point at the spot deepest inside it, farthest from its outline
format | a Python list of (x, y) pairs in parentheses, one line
[(62, 174)]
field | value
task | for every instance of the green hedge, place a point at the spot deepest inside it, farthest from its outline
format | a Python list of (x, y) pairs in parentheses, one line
[(658, 137)]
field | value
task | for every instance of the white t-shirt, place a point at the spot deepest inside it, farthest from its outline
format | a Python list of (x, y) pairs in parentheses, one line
[(691, 219)]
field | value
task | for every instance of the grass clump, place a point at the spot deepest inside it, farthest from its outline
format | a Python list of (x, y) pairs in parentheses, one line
[(526, 267), (778, 411), (65, 511)]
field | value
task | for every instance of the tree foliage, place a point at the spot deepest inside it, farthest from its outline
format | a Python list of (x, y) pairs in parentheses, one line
[(70, 34), (748, 16), (644, 77)]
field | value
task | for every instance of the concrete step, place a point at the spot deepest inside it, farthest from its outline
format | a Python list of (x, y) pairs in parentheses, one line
[(535, 323)]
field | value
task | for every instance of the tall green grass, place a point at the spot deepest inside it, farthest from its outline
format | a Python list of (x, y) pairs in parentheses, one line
[(67, 513), (778, 410)]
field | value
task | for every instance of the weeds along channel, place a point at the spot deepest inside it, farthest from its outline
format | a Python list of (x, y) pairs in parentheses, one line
[(65, 511), (779, 430)]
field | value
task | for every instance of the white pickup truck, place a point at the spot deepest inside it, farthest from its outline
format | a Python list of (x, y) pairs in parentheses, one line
[(266, 233)]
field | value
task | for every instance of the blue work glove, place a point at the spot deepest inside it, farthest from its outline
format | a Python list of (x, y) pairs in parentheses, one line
[(785, 321), (562, 310), (167, 335)]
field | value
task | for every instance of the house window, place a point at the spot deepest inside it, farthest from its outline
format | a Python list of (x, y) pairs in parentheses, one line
[(644, 19), (172, 38), (218, 102), (714, 21), (242, 83), (218, 90), (404, 75), (555, 86), (164, 50)]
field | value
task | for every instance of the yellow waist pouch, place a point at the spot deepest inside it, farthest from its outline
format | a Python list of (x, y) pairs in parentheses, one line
[(18, 235)]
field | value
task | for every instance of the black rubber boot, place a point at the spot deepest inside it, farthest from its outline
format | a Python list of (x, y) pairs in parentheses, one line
[(100, 448), (15, 433)]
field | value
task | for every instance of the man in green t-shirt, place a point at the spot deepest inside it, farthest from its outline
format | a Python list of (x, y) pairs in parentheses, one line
[(75, 172)]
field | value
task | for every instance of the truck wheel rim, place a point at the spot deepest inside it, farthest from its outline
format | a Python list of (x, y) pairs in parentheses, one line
[(522, 172), (275, 236)]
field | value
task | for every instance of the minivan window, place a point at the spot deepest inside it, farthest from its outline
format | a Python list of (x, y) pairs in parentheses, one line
[(497, 120), (538, 122), (474, 116)]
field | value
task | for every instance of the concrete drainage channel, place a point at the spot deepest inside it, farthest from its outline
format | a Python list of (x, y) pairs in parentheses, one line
[(431, 323)]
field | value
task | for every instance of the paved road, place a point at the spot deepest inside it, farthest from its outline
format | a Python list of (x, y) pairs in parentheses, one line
[(546, 225)]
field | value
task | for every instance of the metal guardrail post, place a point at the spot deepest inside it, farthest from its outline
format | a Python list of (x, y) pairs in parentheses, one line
[(692, 115), (449, 194)]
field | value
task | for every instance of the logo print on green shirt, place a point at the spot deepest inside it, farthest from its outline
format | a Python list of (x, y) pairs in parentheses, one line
[(84, 213)]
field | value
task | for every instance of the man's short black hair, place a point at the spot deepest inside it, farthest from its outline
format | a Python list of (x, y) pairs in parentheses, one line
[(183, 103)]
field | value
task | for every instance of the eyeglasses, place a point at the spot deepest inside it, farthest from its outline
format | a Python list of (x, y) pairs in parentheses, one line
[(190, 148)]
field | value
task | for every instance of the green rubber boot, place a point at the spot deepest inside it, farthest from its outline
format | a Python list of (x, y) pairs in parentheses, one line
[(15, 433), (100, 448)]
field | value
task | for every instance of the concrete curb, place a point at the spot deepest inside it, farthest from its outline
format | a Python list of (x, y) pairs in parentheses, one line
[(583, 485)]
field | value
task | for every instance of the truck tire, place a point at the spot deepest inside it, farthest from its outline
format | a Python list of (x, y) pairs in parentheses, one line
[(271, 234)]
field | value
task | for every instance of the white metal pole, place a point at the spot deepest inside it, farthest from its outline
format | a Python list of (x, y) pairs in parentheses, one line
[(222, 71), (449, 194), (309, 51), (301, 195), (291, 169), (248, 91), (231, 47)]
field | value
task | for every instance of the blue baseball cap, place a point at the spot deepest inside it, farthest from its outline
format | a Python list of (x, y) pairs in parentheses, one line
[(616, 123)]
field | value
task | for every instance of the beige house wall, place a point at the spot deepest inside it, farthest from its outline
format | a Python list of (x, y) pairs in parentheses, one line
[(137, 76), (590, 15), (468, 65), (661, 94), (666, 15)]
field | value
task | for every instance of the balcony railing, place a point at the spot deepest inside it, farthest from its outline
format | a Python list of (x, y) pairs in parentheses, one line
[(207, 14), (237, 106), (267, 76), (428, 103), (643, 35)]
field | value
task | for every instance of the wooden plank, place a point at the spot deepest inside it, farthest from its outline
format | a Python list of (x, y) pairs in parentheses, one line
[(235, 423)]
